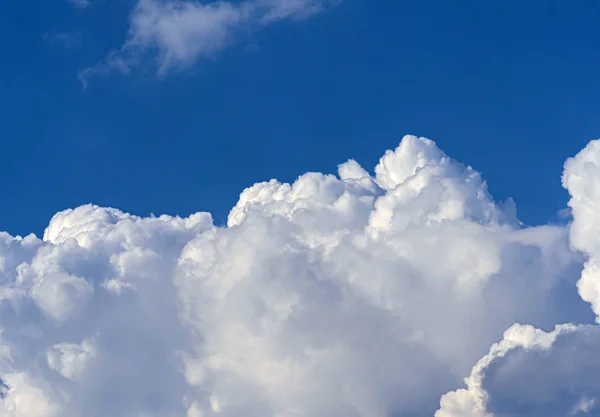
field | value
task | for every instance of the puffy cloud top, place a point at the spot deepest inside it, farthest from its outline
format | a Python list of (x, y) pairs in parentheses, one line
[(582, 179), (359, 294)]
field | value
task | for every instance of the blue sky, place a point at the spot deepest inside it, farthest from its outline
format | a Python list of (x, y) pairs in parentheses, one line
[(510, 88)]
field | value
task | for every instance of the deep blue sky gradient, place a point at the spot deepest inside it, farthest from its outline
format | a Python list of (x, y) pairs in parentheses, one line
[(509, 87)]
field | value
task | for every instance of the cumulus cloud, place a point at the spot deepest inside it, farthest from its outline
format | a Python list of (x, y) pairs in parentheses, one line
[(582, 179), (70, 359), (354, 294), (177, 33), (531, 372)]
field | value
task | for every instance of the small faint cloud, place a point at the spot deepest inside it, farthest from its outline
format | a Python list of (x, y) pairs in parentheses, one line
[(584, 405), (253, 48), (81, 4), (67, 40), (565, 214)]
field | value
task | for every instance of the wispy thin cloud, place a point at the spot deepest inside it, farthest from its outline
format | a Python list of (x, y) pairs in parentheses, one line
[(175, 34), (81, 4)]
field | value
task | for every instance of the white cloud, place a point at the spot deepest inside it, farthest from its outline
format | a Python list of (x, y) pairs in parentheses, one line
[(533, 373), (70, 360), (582, 179), (177, 33), (25, 398), (356, 295)]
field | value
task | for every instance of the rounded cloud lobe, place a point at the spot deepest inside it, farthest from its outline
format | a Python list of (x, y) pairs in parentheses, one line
[(355, 295)]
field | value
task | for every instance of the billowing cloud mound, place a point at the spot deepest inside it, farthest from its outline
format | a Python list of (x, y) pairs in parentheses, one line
[(350, 295), (533, 373)]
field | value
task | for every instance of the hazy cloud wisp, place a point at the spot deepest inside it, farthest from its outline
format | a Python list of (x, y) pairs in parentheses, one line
[(81, 4), (67, 40), (175, 34)]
